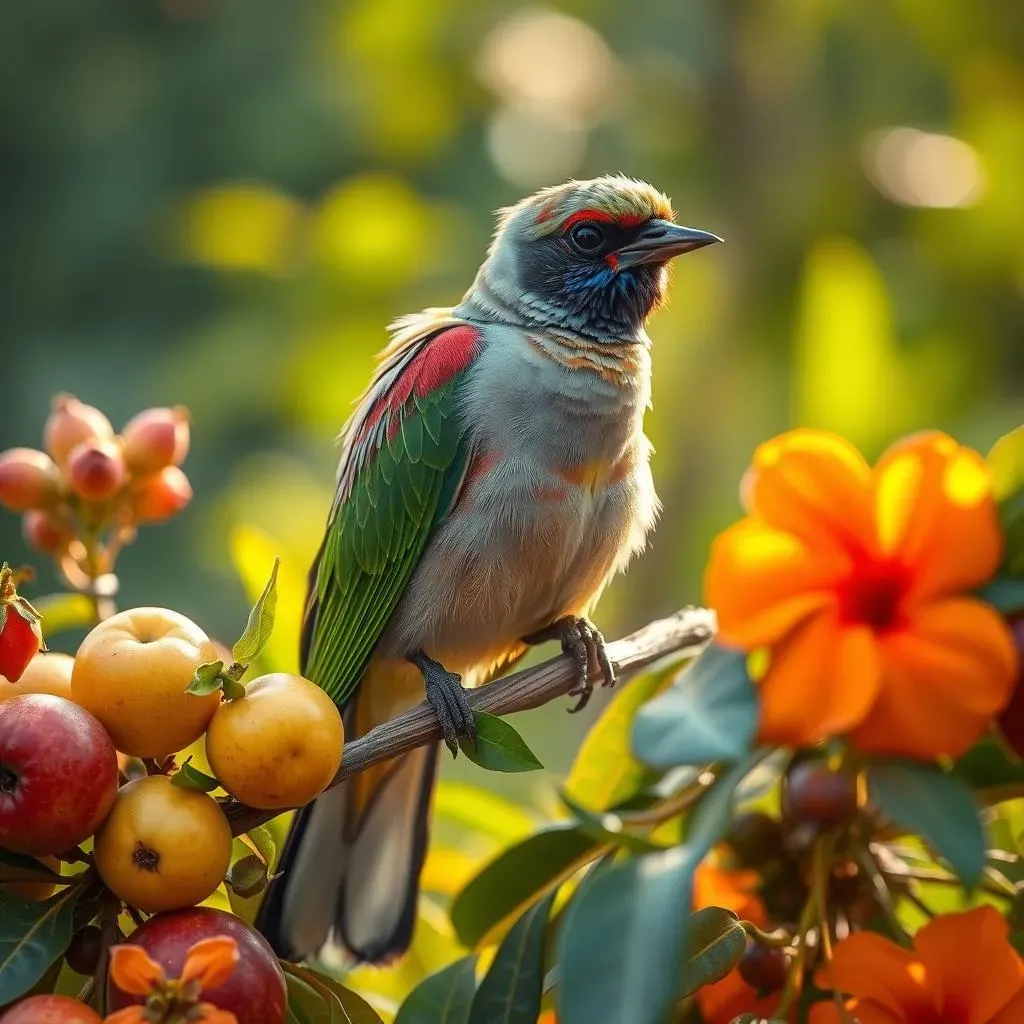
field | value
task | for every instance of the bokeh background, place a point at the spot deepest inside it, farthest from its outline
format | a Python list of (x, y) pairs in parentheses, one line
[(222, 203)]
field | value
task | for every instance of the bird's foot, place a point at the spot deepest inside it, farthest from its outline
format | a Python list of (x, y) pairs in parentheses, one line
[(583, 642), (447, 697)]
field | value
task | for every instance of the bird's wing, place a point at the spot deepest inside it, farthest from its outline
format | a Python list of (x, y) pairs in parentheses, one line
[(404, 459)]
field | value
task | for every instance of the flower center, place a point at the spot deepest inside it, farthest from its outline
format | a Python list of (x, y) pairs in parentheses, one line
[(872, 595)]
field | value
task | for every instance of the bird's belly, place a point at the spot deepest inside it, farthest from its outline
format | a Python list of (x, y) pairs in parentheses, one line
[(519, 552)]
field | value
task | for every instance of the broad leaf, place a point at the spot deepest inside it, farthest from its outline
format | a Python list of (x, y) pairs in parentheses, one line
[(261, 622), (1005, 594), (988, 766), (516, 878), (717, 943), (511, 990), (261, 841), (939, 807), (608, 827), (605, 772), (479, 810), (305, 1004), (18, 867), (188, 777), (316, 993), (498, 746), (709, 713), (208, 679), (32, 936), (443, 998), (63, 612), (248, 876), (1006, 460)]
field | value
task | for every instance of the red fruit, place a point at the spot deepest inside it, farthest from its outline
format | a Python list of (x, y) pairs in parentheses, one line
[(45, 532), (96, 470), (28, 479), (70, 423), (20, 636), (50, 1010), (764, 970), (155, 438), (162, 495), (255, 992), (58, 774), (814, 794), (1011, 721)]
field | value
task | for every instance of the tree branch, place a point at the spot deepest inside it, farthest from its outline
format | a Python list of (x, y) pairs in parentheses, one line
[(686, 630)]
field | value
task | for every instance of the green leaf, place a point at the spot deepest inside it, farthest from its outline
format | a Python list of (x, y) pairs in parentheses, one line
[(248, 876), (511, 990), (989, 766), (261, 622), (209, 678), (17, 867), (32, 936), (263, 840), (1006, 460), (64, 612), (476, 809), (188, 777), (443, 998), (608, 827), (717, 943), (939, 807), (516, 878), (709, 713), (605, 772), (305, 1004), (498, 746), (1004, 594), (318, 997)]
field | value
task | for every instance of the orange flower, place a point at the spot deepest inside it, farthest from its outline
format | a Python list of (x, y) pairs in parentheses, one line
[(208, 964), (856, 581), (963, 971), (734, 890)]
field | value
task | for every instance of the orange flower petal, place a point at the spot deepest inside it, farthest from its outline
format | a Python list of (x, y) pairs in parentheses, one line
[(210, 1014), (134, 971), (861, 1012), (130, 1015), (936, 513), (815, 485), (972, 969), (733, 890), (878, 971), (211, 961), (1012, 1013), (731, 996), (945, 675), (763, 582), (822, 681)]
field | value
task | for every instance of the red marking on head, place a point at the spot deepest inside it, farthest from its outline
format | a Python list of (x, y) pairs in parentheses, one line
[(612, 260), (632, 220), (575, 218), (547, 211)]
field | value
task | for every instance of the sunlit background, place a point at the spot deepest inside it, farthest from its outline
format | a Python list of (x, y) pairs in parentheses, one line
[(222, 204)]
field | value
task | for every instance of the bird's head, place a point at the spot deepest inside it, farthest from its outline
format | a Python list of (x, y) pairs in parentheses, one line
[(587, 256)]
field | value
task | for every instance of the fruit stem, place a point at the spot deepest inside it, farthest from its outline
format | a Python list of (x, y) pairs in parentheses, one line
[(777, 939)]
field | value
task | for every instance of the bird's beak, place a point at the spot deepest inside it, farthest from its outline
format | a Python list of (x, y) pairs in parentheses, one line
[(660, 241)]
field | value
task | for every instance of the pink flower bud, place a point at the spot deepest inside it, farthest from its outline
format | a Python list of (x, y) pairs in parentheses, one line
[(45, 532), (70, 424), (28, 479), (96, 470), (162, 495), (156, 438)]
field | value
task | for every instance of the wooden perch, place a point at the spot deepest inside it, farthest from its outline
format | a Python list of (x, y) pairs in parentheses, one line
[(686, 630)]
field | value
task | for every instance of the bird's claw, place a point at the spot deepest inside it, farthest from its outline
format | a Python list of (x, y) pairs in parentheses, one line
[(584, 643), (447, 697)]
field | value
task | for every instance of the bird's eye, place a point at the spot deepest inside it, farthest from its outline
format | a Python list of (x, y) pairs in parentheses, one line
[(587, 237)]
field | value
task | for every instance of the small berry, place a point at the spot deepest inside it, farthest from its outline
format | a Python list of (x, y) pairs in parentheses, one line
[(814, 794), (84, 952), (28, 479), (72, 422), (96, 470), (755, 838), (764, 970), (162, 495), (156, 438), (45, 532)]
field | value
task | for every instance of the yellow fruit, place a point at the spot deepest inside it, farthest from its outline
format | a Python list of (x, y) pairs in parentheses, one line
[(34, 890), (279, 745), (163, 847), (46, 673), (131, 672)]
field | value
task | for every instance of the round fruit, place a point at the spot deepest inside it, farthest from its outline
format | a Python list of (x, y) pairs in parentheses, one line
[(20, 639), (162, 495), (255, 991), (764, 970), (163, 847), (755, 838), (131, 672), (155, 438), (70, 423), (50, 1010), (28, 479), (34, 891), (279, 745), (45, 532), (47, 672), (96, 470), (814, 794), (84, 952), (58, 774)]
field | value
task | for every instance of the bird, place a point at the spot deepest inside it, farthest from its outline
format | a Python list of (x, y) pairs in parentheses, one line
[(494, 477)]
